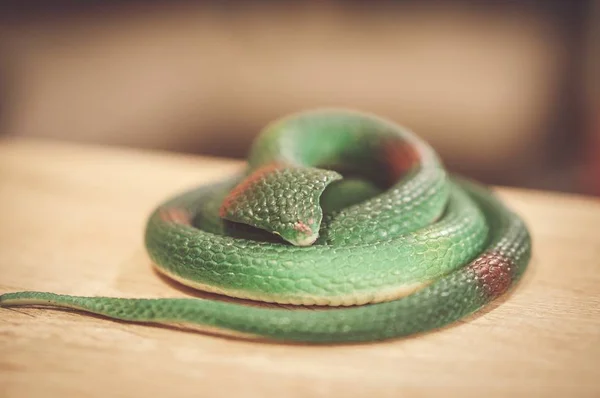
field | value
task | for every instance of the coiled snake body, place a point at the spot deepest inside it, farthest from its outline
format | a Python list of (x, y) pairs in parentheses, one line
[(398, 246)]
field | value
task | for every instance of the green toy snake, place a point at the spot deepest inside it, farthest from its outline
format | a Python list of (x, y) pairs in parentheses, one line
[(398, 246)]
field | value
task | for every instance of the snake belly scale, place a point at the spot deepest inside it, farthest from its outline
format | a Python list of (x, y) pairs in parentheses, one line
[(337, 209)]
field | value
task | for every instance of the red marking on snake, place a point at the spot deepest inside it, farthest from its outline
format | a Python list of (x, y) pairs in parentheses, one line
[(400, 157), (175, 215), (302, 227), (493, 272), (245, 185)]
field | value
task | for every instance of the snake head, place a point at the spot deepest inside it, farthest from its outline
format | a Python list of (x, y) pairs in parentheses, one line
[(281, 199)]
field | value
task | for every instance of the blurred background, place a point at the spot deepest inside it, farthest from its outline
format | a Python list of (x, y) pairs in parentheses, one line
[(506, 91)]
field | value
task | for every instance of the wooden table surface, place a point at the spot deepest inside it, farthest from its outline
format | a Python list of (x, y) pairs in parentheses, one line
[(72, 222)]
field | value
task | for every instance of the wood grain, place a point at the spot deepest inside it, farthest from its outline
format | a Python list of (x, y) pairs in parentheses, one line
[(72, 222)]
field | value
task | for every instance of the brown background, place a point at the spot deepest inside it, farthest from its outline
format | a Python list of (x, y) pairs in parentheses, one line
[(505, 91)]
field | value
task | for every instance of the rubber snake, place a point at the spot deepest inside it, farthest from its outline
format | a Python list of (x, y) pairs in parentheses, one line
[(345, 214)]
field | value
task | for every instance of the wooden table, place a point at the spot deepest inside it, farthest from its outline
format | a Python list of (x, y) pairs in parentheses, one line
[(72, 221)]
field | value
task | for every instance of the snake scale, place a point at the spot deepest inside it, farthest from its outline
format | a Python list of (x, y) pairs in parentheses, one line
[(342, 211)]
